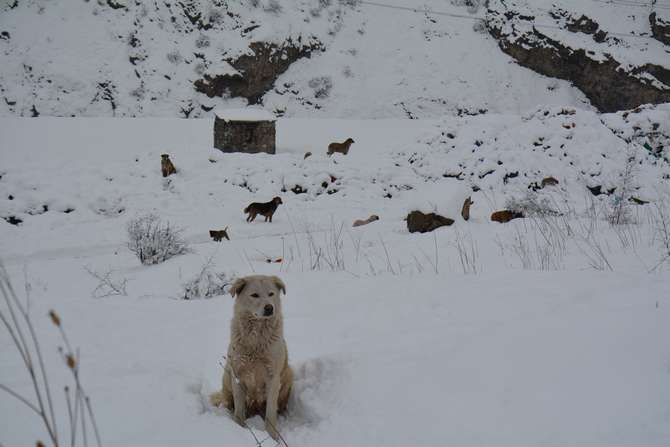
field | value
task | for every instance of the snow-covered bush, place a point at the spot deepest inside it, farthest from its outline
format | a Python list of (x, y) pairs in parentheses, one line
[(154, 241), (206, 284), (660, 220), (321, 85), (531, 204), (619, 212)]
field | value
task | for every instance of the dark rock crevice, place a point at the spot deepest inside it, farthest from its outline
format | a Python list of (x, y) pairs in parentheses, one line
[(258, 71), (608, 86)]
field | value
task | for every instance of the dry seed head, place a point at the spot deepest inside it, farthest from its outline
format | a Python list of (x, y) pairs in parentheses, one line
[(71, 362), (54, 317)]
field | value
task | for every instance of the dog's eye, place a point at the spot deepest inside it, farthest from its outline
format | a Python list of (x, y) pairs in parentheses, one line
[(255, 295), (271, 294)]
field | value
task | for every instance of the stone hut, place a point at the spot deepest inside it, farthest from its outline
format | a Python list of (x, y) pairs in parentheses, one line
[(250, 130)]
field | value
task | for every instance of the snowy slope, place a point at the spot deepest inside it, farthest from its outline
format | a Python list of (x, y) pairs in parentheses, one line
[(543, 331), (88, 59)]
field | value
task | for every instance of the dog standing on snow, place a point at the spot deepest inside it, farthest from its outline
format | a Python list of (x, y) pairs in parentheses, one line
[(256, 378), (266, 209), (342, 148)]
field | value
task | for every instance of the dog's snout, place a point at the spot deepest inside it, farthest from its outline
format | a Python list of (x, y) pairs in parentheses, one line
[(268, 310)]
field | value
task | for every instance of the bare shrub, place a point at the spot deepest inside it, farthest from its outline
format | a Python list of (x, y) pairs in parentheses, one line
[(108, 284), (175, 57), (531, 204), (273, 6), (16, 319), (321, 85), (154, 241), (468, 253), (590, 244), (479, 27), (328, 253), (521, 248), (660, 220), (202, 41), (620, 212), (207, 283)]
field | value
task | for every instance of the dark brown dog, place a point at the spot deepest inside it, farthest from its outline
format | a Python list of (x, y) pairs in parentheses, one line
[(505, 216), (342, 148), (264, 209), (218, 235), (549, 181), (166, 165)]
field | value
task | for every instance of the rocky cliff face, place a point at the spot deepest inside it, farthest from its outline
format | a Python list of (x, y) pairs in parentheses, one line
[(327, 58), (138, 58), (255, 72), (575, 47)]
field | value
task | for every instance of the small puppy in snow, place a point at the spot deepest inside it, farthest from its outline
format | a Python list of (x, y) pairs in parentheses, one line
[(218, 235), (257, 379), (360, 222)]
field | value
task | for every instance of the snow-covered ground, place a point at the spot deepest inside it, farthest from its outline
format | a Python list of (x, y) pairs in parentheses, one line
[(550, 330)]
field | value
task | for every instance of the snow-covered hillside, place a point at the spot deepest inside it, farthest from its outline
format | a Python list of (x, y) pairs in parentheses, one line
[(132, 58), (546, 330)]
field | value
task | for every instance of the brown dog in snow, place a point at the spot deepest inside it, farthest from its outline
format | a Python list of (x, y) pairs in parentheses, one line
[(342, 148), (167, 168), (266, 209), (505, 216)]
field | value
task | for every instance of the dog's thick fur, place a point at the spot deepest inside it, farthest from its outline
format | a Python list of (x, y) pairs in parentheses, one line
[(218, 235), (167, 168), (257, 379), (505, 216), (266, 209), (342, 148), (361, 222)]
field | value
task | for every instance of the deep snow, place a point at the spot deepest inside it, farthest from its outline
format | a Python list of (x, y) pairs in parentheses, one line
[(395, 339)]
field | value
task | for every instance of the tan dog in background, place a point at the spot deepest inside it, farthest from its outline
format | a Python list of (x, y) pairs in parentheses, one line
[(361, 222), (342, 148), (256, 378)]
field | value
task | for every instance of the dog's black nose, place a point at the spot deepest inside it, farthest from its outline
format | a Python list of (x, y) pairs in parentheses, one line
[(268, 310)]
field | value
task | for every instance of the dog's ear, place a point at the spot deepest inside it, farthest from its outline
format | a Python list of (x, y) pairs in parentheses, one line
[(237, 287), (279, 283)]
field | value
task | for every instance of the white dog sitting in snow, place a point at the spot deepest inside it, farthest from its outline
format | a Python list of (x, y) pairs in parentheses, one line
[(256, 378)]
